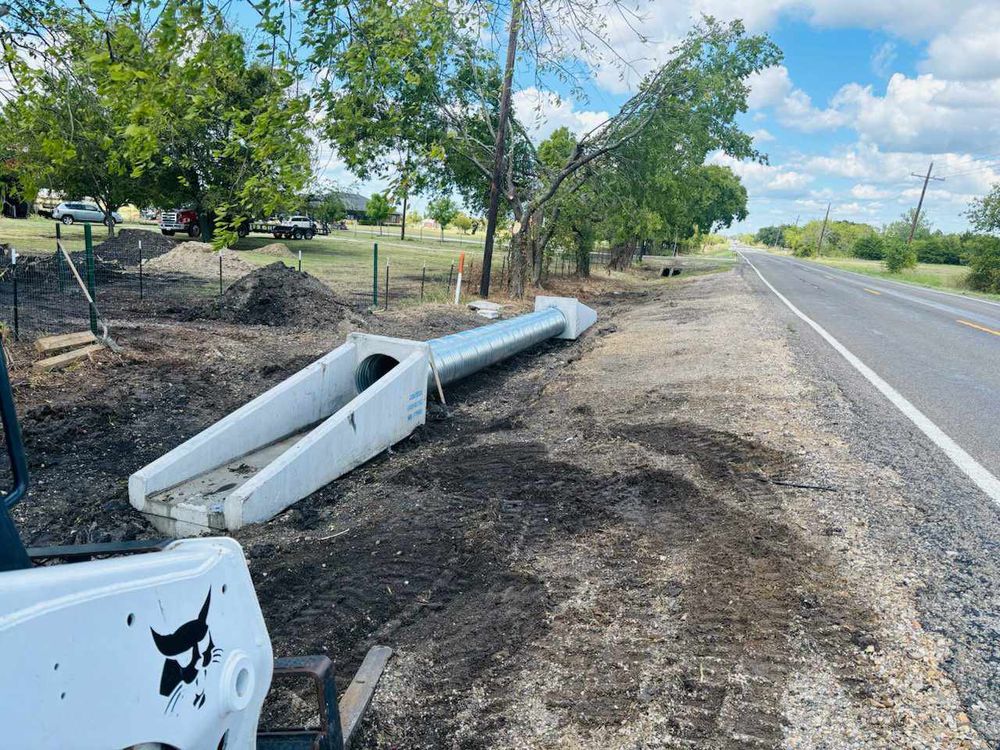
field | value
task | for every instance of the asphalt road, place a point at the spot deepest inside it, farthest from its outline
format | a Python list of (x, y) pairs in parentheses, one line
[(940, 351)]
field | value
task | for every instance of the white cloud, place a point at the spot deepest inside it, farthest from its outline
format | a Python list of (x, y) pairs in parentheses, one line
[(869, 193), (762, 135), (773, 88), (541, 112), (884, 58), (764, 178), (969, 50), (924, 113)]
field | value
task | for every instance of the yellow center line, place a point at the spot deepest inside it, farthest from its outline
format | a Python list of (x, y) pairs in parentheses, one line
[(870, 291), (978, 327)]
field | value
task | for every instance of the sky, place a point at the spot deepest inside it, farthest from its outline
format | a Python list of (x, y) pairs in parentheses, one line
[(869, 92)]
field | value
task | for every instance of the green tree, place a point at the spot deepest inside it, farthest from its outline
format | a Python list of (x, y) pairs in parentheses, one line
[(462, 221), (209, 125), (983, 252), (898, 255), (331, 208), (718, 198), (383, 65), (689, 105), (443, 210), (900, 229), (984, 212), (869, 247), (378, 209), (66, 129), (770, 236)]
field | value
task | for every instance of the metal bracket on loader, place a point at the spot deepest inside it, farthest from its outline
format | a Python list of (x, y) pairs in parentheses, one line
[(338, 723)]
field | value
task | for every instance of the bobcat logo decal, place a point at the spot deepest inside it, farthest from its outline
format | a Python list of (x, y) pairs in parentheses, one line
[(190, 652)]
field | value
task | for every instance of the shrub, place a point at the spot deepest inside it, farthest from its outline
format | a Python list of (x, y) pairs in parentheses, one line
[(984, 263), (869, 247), (898, 255), (939, 249)]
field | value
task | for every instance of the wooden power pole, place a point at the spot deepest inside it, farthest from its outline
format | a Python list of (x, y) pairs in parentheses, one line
[(822, 234), (920, 204)]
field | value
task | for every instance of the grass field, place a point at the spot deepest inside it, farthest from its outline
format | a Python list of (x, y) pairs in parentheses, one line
[(933, 275), (344, 259)]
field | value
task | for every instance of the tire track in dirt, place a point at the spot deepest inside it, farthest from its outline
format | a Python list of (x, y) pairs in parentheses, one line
[(568, 620)]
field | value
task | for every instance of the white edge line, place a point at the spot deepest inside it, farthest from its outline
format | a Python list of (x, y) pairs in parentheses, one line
[(974, 470)]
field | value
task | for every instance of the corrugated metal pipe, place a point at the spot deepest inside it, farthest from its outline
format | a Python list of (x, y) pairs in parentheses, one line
[(460, 354)]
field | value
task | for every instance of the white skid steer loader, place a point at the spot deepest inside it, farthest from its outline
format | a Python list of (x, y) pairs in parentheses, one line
[(145, 645)]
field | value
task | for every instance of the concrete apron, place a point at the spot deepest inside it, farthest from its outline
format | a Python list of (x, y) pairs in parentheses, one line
[(308, 430)]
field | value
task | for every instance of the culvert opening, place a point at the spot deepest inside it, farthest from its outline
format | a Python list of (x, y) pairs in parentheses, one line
[(670, 271), (372, 369)]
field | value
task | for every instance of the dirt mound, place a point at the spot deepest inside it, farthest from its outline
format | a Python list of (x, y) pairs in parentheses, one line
[(125, 245), (276, 249), (200, 259), (277, 295)]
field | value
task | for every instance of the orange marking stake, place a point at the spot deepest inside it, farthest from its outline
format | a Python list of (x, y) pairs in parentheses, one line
[(458, 283)]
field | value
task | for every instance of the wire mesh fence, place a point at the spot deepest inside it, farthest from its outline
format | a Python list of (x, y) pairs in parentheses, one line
[(140, 274)]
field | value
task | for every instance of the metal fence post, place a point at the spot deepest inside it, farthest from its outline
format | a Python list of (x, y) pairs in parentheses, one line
[(88, 244), (450, 272), (386, 283), (220, 273), (375, 275), (59, 260), (423, 280), (13, 273), (140, 269)]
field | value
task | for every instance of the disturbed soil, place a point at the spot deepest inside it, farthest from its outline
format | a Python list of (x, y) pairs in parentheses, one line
[(636, 540), (278, 295), (200, 259)]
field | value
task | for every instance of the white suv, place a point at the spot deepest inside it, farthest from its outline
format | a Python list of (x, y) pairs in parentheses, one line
[(67, 213)]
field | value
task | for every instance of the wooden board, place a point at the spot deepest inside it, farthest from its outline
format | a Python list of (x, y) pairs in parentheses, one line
[(359, 693), (67, 358), (64, 341)]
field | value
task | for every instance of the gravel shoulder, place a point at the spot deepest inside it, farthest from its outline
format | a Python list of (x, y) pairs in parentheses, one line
[(939, 532)]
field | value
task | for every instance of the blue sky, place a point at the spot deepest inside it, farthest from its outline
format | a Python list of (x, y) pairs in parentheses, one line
[(869, 91)]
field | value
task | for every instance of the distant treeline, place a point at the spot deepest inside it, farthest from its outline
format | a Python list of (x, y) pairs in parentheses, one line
[(981, 252)]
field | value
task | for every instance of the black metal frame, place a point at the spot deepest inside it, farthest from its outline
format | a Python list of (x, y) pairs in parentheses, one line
[(13, 555), (329, 736)]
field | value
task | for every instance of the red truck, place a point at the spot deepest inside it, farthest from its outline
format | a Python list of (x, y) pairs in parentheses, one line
[(180, 220), (186, 220)]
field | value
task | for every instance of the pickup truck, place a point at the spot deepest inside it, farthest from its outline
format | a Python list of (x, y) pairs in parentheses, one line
[(187, 220), (295, 228)]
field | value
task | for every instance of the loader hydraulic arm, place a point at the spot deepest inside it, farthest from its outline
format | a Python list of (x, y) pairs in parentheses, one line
[(13, 555)]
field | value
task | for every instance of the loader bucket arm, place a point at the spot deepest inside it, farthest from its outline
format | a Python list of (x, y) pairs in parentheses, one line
[(13, 555)]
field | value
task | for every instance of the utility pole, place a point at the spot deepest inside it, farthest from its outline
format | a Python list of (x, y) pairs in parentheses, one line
[(498, 150), (920, 204), (822, 234)]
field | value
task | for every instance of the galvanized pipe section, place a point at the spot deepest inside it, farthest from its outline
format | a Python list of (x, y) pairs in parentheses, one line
[(466, 352)]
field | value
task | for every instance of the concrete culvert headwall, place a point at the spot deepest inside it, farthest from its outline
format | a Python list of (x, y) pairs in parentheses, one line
[(372, 369), (325, 420)]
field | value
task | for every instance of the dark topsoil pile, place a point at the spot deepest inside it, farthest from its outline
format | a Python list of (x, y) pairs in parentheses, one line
[(125, 245), (278, 295), (111, 257)]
